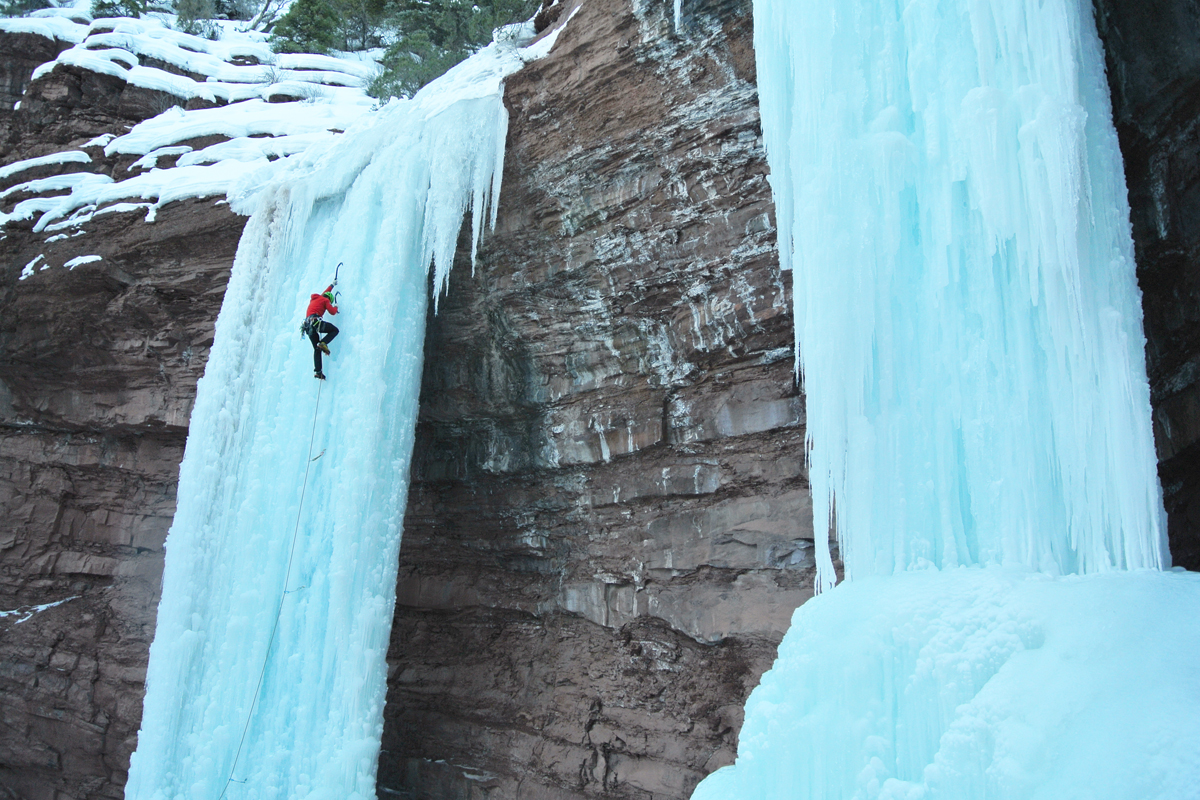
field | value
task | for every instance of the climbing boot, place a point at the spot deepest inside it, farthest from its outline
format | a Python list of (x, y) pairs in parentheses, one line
[(324, 347), (319, 375)]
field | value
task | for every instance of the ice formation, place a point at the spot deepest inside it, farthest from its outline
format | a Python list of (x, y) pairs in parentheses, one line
[(950, 198), (267, 674), (979, 684), (968, 321)]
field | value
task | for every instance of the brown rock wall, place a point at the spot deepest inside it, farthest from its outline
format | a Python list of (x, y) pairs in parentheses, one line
[(610, 524), (88, 514), (23, 53), (98, 371), (1154, 73)]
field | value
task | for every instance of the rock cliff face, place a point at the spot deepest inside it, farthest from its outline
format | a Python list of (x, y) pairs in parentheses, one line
[(98, 370), (23, 53), (1154, 74), (609, 523)]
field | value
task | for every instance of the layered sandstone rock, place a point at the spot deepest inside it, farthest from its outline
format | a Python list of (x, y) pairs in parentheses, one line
[(610, 525), (98, 371), (98, 368), (23, 53)]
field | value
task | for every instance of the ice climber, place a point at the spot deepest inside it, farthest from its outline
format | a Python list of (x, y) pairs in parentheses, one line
[(314, 326)]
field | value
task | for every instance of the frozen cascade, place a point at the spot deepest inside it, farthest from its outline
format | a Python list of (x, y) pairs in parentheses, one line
[(950, 198), (386, 199), (968, 320)]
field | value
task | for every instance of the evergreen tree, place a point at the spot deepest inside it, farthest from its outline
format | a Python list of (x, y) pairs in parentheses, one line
[(117, 8), (360, 22), (436, 35), (310, 26), (196, 17), (19, 8)]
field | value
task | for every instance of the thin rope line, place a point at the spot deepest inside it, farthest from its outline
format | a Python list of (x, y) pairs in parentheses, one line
[(279, 609)]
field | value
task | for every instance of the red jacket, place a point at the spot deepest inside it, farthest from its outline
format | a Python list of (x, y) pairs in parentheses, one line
[(319, 304)]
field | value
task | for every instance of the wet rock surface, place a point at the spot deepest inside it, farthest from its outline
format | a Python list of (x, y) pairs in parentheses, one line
[(609, 525), (1154, 74)]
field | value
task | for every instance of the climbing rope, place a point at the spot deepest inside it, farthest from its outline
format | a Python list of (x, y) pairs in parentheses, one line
[(308, 461)]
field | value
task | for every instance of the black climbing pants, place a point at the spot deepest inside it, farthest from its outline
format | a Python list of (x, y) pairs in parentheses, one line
[(314, 331)]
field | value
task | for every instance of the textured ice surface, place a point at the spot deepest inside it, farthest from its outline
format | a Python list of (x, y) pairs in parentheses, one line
[(951, 200), (386, 199), (979, 683)]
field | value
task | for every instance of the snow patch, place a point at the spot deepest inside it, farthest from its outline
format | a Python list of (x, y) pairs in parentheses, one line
[(26, 612), (331, 89), (79, 261), (65, 157), (28, 270), (101, 141), (150, 160), (60, 28)]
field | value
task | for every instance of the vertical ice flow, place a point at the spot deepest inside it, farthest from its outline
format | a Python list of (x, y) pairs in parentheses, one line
[(387, 199), (951, 201), (949, 197)]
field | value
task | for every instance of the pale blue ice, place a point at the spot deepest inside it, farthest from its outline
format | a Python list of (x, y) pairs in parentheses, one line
[(267, 674), (950, 198)]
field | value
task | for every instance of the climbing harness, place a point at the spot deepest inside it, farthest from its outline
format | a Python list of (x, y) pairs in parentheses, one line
[(311, 325), (279, 608)]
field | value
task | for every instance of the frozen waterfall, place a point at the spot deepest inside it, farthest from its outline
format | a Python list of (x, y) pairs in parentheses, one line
[(952, 203), (267, 674), (950, 199)]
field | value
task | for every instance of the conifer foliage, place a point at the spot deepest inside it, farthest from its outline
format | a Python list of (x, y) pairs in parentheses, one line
[(19, 8), (437, 34), (310, 26), (118, 8)]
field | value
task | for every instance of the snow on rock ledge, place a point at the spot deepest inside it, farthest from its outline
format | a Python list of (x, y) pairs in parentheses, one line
[(238, 78)]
